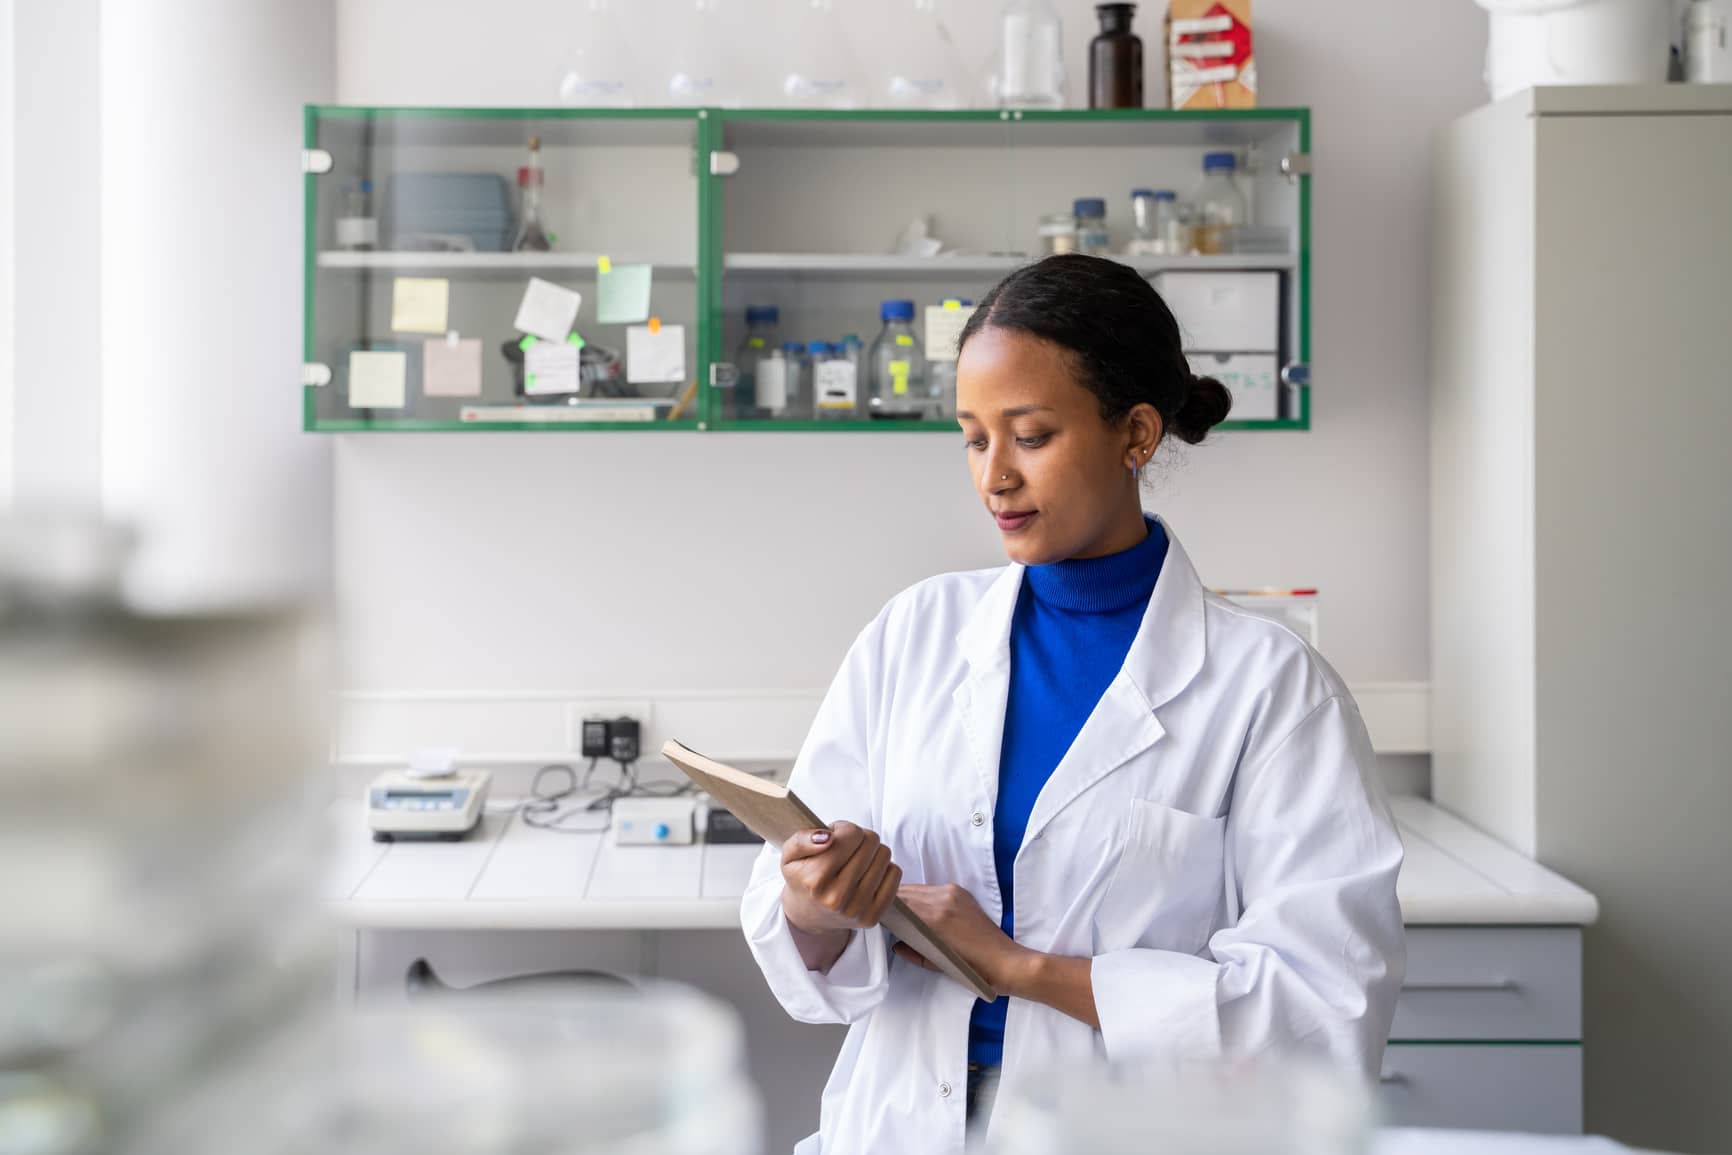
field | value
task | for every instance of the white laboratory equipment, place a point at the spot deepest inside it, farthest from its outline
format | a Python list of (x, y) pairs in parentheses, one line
[(817, 70), (1028, 69), (402, 804), (760, 338), (770, 384), (925, 70), (896, 384), (600, 68), (1220, 205), (697, 71)]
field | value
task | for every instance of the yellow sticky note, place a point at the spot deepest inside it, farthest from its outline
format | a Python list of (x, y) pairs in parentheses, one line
[(420, 304), (904, 339), (953, 305), (603, 265), (377, 379)]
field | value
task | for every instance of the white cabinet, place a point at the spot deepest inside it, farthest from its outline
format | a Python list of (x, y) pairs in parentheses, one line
[(1581, 546)]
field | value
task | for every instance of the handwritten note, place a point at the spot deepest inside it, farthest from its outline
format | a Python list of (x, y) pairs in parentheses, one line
[(655, 356), (451, 368), (420, 304), (550, 367), (548, 310), (377, 379), (943, 326)]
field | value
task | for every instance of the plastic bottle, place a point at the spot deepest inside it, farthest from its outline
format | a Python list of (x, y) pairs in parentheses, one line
[(1116, 60), (927, 71), (1091, 226), (1220, 205), (897, 383), (600, 70), (1030, 69), (817, 70), (760, 338)]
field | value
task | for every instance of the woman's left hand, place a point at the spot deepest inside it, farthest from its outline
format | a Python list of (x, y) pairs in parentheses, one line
[(953, 914)]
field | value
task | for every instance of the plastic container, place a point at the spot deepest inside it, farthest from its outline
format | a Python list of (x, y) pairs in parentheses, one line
[(449, 210), (897, 378), (817, 70), (1537, 42), (760, 338), (1220, 205), (357, 227), (941, 380), (1116, 60), (927, 71), (1057, 233), (1030, 58), (1091, 226)]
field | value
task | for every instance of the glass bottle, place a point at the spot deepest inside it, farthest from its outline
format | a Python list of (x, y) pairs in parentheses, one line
[(1057, 233), (896, 385), (817, 71), (698, 74), (1172, 225), (760, 338), (1091, 226), (941, 379), (531, 235), (1116, 60), (799, 381), (357, 227), (836, 383), (1220, 205), (1030, 69), (926, 71), (600, 70)]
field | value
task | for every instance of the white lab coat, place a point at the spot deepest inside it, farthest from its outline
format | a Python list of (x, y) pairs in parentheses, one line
[(1215, 840)]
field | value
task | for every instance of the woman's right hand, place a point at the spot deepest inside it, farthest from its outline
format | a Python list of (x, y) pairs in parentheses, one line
[(840, 879)]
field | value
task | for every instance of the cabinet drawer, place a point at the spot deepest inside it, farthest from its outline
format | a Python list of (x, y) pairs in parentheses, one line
[(1497, 1087), (464, 958), (1488, 983)]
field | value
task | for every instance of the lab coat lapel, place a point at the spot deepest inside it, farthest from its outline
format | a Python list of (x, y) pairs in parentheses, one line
[(980, 698), (1165, 656)]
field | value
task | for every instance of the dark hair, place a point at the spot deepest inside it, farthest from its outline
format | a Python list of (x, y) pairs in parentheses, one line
[(1123, 338)]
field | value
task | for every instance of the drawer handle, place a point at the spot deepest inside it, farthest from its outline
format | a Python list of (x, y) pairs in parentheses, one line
[(1491, 985), (1393, 1079)]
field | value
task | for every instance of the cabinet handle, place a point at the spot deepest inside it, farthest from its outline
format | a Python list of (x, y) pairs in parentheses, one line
[(1393, 1079), (1489, 985)]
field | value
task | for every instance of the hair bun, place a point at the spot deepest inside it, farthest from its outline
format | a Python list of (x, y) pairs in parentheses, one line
[(1206, 406)]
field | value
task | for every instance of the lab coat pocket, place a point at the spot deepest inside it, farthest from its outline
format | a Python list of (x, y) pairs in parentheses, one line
[(1170, 883)]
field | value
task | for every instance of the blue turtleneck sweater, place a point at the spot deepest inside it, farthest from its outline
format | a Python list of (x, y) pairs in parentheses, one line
[(1074, 624)]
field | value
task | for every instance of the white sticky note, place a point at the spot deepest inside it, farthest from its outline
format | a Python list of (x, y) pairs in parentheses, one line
[(451, 368), (622, 295), (550, 367), (655, 358), (548, 310), (420, 304), (377, 379), (943, 326)]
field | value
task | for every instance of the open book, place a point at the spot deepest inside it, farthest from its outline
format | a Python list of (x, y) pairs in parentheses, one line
[(775, 814)]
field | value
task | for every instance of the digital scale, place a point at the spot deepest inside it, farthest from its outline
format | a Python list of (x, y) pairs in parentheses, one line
[(432, 799)]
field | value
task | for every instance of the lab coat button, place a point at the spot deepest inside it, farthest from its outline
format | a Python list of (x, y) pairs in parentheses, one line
[(977, 818), (944, 1090)]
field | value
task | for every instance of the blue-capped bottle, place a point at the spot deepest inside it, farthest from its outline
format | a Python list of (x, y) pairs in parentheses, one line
[(897, 377), (760, 338)]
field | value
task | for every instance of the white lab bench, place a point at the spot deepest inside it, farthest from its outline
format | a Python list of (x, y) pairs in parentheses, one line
[(1487, 1033)]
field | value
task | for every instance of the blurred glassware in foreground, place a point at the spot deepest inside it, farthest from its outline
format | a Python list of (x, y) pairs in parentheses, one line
[(601, 70), (1256, 1107), (926, 71)]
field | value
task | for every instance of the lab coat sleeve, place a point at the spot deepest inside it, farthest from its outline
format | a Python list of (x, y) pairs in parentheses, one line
[(1315, 960), (832, 775)]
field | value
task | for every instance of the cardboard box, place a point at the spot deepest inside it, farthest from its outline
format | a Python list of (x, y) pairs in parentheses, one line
[(1209, 59)]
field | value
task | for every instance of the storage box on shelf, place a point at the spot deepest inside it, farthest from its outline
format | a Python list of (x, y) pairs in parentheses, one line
[(734, 208)]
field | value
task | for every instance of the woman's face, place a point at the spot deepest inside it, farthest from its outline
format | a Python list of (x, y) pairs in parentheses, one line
[(1053, 473)]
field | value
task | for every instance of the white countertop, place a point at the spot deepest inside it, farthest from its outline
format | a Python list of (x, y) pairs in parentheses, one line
[(509, 876)]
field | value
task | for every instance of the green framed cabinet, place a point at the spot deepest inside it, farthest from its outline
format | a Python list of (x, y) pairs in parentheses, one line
[(415, 291)]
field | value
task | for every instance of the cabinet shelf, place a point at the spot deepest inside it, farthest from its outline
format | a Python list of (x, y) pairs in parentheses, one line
[(501, 263), (941, 267)]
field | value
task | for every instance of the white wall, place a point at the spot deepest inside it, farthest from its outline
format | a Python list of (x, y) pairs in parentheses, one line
[(8, 192), (533, 565)]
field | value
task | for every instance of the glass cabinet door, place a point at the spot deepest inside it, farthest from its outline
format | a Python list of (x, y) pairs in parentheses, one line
[(838, 231), (502, 269)]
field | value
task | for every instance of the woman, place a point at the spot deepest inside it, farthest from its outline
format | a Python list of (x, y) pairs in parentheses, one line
[(1150, 819)]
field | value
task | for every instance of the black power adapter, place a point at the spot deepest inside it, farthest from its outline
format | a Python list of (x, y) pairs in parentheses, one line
[(624, 740), (597, 738)]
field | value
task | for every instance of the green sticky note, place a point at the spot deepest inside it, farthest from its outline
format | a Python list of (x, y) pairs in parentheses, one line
[(623, 295), (526, 343), (576, 340)]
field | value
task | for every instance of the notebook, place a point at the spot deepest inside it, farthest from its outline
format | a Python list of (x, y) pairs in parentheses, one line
[(775, 814)]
